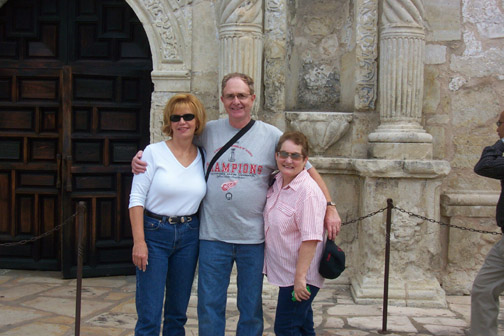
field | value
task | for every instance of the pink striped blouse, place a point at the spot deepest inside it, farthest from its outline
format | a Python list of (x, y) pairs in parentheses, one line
[(293, 214)]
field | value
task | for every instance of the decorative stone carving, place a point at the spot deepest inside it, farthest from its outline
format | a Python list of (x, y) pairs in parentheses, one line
[(168, 25), (240, 11), (403, 13), (241, 45), (366, 54), (162, 19), (323, 129)]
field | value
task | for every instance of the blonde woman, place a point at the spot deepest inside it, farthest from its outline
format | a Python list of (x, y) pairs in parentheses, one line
[(163, 207)]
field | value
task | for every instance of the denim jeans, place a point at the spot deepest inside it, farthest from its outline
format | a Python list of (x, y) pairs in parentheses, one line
[(294, 318), (214, 272), (172, 258)]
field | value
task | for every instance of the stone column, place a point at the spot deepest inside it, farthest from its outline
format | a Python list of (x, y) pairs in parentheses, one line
[(401, 168), (241, 44), (402, 44)]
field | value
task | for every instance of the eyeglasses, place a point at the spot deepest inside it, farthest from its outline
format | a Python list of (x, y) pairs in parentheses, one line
[(240, 96), (498, 123), (293, 156), (177, 117)]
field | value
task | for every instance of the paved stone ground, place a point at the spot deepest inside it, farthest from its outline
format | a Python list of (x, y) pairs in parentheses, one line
[(43, 304)]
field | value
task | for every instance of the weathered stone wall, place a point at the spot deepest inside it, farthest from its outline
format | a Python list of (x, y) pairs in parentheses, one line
[(205, 81), (464, 81), (322, 33)]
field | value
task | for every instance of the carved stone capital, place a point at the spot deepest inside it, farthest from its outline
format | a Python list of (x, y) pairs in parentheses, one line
[(230, 30), (240, 11), (403, 13)]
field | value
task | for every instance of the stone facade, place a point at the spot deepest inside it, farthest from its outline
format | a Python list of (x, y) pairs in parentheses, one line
[(412, 133)]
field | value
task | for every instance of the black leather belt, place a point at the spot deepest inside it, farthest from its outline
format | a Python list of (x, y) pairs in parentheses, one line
[(170, 219)]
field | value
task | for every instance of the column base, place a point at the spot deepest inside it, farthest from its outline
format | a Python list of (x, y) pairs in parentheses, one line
[(400, 141), (400, 151), (407, 293)]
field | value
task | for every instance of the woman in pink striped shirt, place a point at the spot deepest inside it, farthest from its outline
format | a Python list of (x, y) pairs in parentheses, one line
[(294, 235)]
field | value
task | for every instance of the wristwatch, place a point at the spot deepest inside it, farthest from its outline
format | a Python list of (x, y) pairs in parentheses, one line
[(331, 203)]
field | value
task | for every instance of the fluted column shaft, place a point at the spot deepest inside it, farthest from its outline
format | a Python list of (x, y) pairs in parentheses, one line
[(401, 79), (402, 47), (241, 42)]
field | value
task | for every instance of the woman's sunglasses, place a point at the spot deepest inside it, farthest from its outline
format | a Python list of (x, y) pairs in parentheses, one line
[(294, 156), (177, 117)]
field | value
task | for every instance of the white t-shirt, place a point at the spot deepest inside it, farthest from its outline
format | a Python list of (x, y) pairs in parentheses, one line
[(167, 187)]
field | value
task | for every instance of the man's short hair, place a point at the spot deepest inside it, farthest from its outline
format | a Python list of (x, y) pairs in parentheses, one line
[(245, 78)]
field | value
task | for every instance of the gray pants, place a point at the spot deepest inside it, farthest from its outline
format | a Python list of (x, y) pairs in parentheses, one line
[(487, 286)]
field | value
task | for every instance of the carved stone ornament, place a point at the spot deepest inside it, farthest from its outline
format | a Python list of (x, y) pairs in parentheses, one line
[(162, 22), (240, 11), (366, 54), (323, 129), (403, 13)]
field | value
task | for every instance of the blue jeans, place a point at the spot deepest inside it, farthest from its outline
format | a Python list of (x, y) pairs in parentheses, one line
[(294, 318), (215, 266), (172, 258)]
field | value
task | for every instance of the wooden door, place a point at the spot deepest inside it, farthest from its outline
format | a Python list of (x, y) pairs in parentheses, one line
[(74, 107)]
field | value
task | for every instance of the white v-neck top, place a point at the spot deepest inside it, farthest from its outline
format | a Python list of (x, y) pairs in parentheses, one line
[(167, 187)]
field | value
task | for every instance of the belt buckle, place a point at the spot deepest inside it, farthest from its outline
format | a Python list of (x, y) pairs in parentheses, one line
[(172, 220)]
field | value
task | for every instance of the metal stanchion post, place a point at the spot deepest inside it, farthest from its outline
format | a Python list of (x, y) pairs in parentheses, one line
[(81, 219), (390, 205)]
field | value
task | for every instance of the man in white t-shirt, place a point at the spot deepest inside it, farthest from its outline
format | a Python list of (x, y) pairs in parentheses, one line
[(232, 227)]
